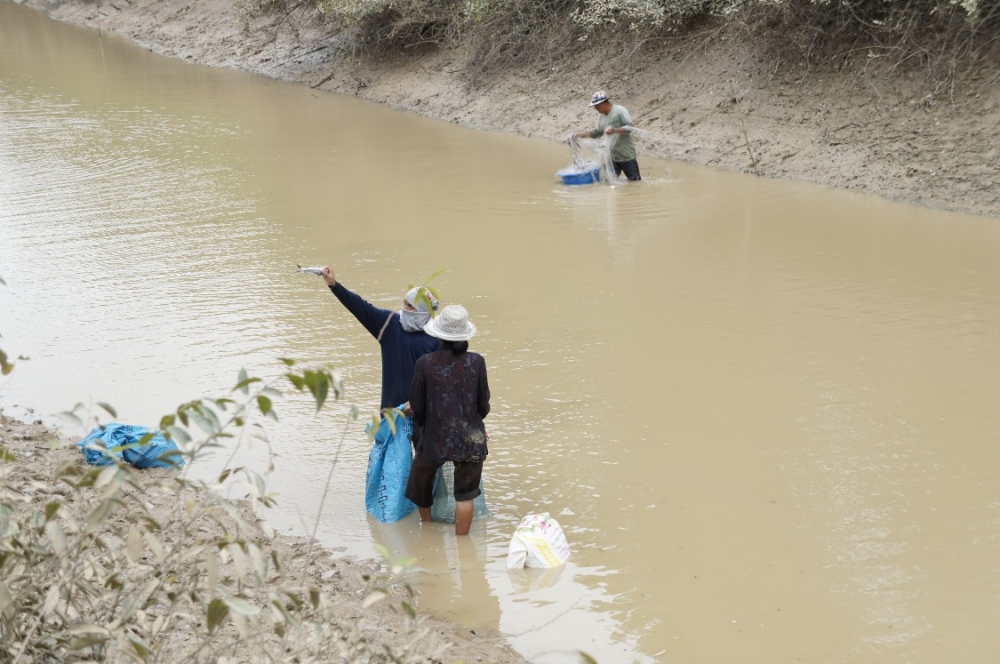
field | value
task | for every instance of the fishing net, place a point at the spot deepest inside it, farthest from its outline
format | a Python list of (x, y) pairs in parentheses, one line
[(590, 153)]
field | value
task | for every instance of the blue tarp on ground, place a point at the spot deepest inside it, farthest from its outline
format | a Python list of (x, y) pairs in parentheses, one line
[(121, 440), (388, 471)]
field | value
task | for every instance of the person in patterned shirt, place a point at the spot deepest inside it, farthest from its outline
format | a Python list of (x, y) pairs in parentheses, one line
[(449, 397)]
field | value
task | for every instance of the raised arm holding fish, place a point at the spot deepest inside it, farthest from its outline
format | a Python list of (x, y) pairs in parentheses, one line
[(399, 333)]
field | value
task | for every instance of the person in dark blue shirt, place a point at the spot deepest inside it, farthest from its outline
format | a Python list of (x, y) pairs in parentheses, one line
[(399, 333)]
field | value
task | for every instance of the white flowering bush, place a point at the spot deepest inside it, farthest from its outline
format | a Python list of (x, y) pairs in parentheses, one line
[(595, 15), (971, 8)]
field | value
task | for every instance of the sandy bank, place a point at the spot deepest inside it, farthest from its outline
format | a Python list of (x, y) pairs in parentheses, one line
[(860, 123)]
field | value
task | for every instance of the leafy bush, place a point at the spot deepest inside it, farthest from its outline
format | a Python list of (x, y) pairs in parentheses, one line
[(641, 18), (90, 570), (944, 37), (500, 34), (497, 35), (379, 25)]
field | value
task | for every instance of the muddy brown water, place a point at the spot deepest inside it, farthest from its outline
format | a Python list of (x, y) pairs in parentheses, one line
[(764, 413)]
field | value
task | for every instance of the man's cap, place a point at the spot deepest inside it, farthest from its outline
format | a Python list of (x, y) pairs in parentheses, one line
[(598, 98)]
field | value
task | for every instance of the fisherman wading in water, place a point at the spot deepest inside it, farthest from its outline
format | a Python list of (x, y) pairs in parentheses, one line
[(615, 121)]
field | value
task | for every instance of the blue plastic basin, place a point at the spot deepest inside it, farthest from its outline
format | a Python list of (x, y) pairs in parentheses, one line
[(590, 175)]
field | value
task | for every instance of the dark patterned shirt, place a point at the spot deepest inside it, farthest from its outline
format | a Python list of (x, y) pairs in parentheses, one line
[(450, 397)]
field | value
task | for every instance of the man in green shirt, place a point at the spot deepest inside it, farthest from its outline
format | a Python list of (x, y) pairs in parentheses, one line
[(615, 119)]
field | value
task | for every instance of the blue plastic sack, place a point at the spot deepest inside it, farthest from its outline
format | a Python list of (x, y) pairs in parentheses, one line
[(122, 441), (388, 471)]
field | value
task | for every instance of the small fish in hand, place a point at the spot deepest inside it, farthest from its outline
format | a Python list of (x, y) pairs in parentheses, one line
[(318, 271)]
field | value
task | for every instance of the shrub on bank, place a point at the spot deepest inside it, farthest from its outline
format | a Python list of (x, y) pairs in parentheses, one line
[(499, 34), (115, 564), (942, 42), (387, 24)]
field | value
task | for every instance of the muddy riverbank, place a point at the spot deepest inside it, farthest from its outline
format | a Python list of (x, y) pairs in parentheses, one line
[(862, 123)]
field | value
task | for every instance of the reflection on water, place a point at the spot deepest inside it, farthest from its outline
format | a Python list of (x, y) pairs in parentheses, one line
[(763, 413), (451, 577), (528, 579)]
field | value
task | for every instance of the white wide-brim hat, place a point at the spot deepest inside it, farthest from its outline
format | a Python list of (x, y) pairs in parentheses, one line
[(452, 324)]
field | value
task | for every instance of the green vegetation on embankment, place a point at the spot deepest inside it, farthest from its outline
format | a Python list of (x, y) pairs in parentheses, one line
[(949, 38)]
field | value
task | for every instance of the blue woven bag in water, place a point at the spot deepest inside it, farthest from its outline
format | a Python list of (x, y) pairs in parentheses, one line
[(388, 471)]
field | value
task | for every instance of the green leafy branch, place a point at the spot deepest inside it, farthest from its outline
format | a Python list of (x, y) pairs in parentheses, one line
[(6, 365)]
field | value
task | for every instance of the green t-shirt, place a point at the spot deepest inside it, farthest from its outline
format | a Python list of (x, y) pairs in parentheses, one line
[(624, 148)]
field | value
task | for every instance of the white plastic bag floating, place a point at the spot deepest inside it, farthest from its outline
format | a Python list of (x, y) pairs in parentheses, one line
[(538, 541)]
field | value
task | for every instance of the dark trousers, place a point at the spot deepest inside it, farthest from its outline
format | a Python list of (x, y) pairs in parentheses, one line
[(631, 168), (420, 484)]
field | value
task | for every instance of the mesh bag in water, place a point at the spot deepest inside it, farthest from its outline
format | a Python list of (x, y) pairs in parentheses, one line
[(443, 508)]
